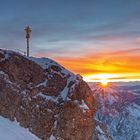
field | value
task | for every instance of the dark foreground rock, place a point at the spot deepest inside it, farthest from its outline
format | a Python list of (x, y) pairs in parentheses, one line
[(44, 97)]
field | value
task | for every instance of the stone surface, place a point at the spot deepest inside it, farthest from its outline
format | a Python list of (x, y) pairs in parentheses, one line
[(45, 98)]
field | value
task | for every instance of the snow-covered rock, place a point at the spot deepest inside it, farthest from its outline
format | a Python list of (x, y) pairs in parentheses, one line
[(119, 109), (13, 131), (45, 98)]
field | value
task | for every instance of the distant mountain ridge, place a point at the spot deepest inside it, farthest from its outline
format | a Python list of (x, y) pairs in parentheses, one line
[(119, 109)]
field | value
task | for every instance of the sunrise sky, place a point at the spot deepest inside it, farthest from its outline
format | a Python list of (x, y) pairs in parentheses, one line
[(95, 38)]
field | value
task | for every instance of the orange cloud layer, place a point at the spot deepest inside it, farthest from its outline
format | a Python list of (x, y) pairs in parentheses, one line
[(124, 63)]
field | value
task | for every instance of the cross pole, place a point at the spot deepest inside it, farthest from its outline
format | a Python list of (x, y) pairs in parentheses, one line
[(28, 31)]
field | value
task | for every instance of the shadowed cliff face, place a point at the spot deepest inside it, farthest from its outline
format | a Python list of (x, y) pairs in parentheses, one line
[(45, 98)]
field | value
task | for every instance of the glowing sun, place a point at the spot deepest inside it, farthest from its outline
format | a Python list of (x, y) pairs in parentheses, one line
[(104, 79), (104, 82)]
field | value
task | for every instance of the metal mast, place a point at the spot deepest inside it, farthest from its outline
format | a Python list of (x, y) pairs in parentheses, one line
[(28, 32)]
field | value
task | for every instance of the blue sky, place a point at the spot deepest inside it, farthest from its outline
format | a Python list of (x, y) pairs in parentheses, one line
[(62, 27)]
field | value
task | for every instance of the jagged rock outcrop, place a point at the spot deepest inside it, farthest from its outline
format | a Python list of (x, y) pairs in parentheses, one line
[(44, 97), (101, 131)]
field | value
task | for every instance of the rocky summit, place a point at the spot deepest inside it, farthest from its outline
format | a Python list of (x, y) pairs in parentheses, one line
[(44, 97)]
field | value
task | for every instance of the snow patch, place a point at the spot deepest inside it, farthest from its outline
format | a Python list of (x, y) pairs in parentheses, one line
[(47, 97), (13, 131), (6, 54), (84, 106), (5, 76), (65, 91), (45, 63), (52, 137), (101, 134), (134, 110), (43, 83)]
